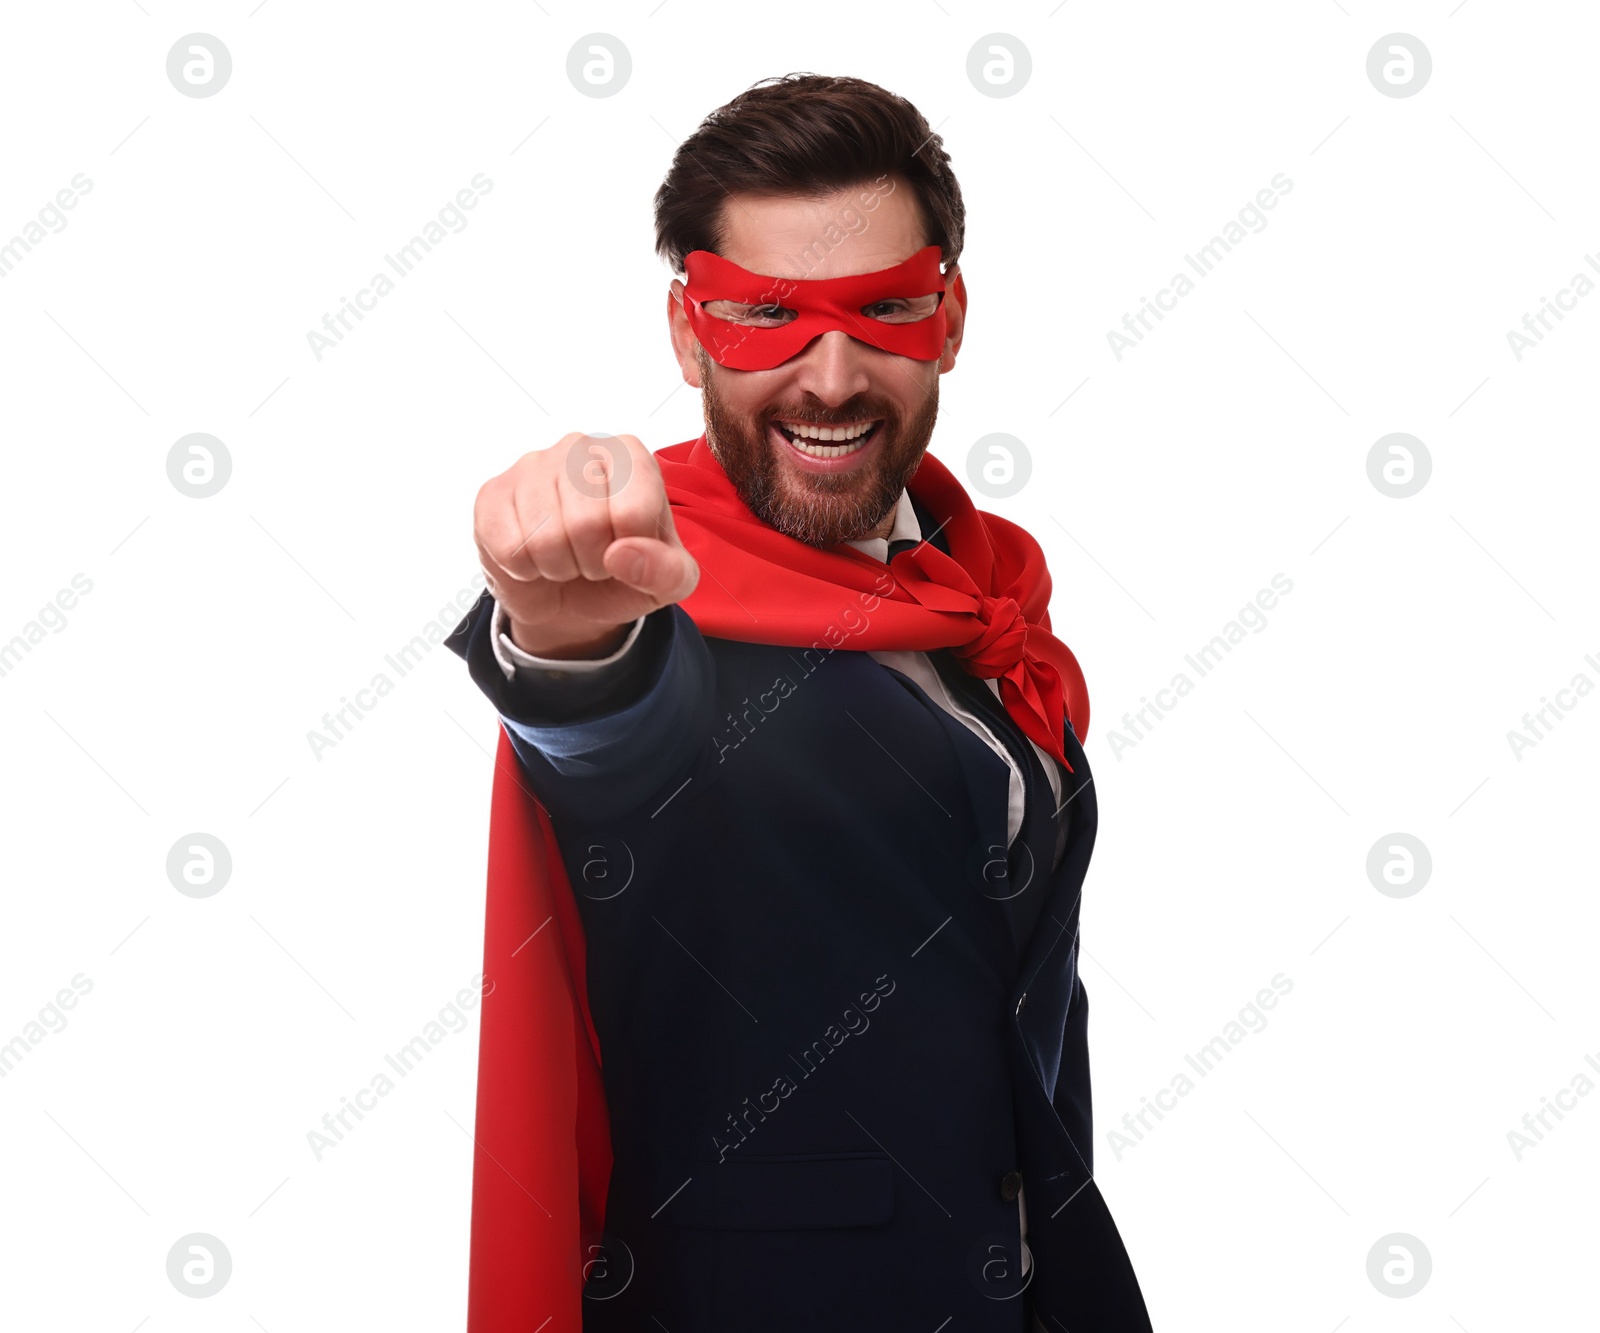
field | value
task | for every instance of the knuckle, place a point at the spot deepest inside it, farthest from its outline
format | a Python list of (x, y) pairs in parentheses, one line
[(495, 535), (633, 509), (546, 536), (485, 504), (588, 526)]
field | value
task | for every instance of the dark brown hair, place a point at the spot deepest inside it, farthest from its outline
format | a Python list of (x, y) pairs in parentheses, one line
[(804, 134)]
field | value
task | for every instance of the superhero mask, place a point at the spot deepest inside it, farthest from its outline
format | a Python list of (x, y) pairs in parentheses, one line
[(748, 321)]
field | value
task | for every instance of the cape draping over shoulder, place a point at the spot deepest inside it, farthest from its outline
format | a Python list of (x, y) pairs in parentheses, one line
[(987, 601), (542, 1145)]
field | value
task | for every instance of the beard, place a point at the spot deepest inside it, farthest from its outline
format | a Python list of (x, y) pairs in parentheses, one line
[(820, 509)]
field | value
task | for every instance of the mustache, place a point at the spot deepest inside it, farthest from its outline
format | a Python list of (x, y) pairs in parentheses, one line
[(866, 412)]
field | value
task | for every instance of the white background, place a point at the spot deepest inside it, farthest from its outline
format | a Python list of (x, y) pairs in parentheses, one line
[(1230, 446)]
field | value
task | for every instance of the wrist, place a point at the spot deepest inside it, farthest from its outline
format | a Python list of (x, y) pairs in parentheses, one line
[(566, 645)]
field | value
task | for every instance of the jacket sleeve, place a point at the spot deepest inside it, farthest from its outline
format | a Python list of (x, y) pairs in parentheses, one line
[(598, 744)]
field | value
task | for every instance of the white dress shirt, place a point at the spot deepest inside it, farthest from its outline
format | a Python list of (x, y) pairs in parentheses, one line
[(912, 663)]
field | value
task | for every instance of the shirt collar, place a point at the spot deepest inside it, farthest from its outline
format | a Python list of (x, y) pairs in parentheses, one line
[(906, 528)]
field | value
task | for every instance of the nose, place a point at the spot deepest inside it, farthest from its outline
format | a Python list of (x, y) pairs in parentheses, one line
[(833, 367)]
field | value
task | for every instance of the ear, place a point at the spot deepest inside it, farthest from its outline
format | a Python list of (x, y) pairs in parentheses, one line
[(682, 332), (955, 317)]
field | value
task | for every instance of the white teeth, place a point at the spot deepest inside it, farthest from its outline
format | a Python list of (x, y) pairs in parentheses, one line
[(828, 432), (854, 435), (825, 450)]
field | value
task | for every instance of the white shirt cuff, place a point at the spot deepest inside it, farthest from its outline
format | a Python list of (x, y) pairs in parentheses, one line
[(510, 657)]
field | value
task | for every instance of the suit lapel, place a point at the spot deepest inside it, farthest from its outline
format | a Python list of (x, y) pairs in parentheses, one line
[(1032, 882)]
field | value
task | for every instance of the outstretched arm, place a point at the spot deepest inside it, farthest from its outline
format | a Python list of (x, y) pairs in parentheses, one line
[(600, 739)]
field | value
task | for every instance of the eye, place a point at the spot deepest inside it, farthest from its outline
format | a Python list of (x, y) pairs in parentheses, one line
[(751, 316), (903, 309)]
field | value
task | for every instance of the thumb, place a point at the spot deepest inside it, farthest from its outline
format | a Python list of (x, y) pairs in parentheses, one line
[(662, 570)]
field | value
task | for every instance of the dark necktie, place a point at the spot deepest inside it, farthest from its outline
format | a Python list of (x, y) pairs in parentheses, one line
[(1030, 858)]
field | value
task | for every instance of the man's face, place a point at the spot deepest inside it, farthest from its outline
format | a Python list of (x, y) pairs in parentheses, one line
[(832, 490)]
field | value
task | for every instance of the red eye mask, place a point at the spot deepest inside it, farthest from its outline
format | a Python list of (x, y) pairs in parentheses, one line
[(818, 304)]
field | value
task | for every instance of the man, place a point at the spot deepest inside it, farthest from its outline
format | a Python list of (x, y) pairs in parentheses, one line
[(793, 739)]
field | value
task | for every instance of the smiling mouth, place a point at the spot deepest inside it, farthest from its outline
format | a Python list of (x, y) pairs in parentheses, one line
[(828, 441)]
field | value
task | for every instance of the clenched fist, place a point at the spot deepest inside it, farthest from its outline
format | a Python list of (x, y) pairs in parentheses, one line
[(577, 541)]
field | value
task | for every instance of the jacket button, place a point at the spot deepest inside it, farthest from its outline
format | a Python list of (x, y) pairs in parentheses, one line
[(1023, 1002), (1011, 1186)]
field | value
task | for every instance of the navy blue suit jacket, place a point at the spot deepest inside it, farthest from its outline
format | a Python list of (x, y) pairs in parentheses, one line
[(827, 1060)]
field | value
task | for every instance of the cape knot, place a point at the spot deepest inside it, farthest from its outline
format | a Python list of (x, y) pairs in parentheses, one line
[(1000, 643)]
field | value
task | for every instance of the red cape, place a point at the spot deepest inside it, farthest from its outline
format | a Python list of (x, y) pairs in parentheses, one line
[(542, 1155)]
